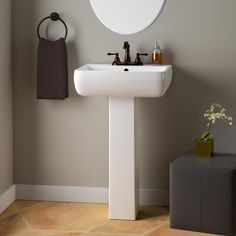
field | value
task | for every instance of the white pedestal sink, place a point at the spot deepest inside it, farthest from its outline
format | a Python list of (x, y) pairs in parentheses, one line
[(122, 84)]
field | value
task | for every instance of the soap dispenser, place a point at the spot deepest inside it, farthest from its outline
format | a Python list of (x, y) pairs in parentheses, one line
[(157, 57)]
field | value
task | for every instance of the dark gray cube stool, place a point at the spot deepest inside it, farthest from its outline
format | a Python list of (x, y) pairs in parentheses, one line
[(202, 193)]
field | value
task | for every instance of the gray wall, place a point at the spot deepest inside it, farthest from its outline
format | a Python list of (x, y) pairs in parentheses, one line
[(66, 142), (6, 154)]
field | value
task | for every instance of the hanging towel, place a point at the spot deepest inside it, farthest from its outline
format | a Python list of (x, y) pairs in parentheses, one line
[(52, 73)]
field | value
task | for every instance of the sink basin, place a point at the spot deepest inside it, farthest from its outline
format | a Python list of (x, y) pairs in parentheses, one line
[(136, 81)]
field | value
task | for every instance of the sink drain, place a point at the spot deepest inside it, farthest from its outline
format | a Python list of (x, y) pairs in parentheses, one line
[(126, 69)]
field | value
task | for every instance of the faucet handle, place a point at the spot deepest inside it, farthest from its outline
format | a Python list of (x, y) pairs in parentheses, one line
[(116, 59), (142, 54), (138, 60), (112, 53)]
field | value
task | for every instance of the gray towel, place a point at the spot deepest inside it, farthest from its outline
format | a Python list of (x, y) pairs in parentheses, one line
[(52, 74)]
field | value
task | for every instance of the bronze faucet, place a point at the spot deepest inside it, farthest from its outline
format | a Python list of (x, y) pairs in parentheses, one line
[(127, 59)]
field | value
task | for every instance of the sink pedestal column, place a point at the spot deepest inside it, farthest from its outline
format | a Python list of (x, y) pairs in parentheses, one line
[(123, 184)]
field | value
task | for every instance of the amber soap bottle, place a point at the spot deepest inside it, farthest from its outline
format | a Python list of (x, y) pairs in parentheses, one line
[(157, 56)]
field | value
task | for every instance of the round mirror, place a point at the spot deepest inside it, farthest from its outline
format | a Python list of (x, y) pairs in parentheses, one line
[(127, 16)]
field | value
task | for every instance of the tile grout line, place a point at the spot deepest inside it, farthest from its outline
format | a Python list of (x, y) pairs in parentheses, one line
[(17, 210), (7, 215), (25, 221), (154, 228), (96, 226), (55, 231), (125, 234), (107, 233)]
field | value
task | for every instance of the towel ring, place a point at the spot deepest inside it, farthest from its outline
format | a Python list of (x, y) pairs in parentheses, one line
[(54, 17)]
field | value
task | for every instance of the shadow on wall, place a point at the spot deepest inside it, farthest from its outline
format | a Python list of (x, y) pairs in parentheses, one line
[(25, 118), (167, 126), (73, 62)]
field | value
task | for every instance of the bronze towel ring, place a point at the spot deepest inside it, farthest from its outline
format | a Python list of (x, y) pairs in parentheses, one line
[(54, 17)]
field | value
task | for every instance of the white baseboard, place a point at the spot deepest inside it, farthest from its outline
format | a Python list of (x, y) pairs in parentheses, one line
[(61, 193), (84, 194), (7, 198)]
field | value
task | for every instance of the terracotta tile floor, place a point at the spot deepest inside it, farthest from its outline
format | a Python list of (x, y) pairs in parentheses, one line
[(32, 218)]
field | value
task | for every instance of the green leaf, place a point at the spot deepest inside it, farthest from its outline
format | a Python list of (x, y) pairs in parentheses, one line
[(205, 135)]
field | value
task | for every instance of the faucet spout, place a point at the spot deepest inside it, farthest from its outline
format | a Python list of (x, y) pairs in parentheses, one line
[(127, 59)]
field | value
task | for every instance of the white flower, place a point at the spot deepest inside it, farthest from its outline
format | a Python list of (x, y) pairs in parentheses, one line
[(217, 112)]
